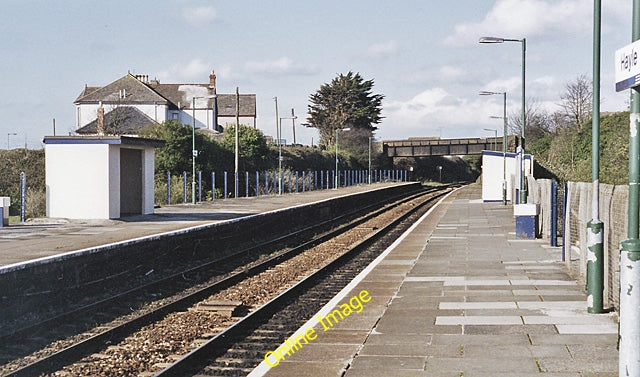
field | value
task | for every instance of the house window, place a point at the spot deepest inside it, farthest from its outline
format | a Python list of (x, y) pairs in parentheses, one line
[(174, 116)]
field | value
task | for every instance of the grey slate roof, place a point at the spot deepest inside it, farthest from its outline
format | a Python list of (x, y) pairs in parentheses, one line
[(124, 120), (125, 90), (176, 96)]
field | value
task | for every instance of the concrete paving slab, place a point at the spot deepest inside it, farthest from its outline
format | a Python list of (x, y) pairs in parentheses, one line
[(475, 301), (609, 328), (308, 369), (478, 320)]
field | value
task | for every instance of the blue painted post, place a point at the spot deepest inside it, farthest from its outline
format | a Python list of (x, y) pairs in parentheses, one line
[(266, 183), (296, 182), (321, 179), (257, 184), (303, 181), (23, 197), (275, 182), (564, 220), (168, 187), (333, 178), (236, 177), (199, 186), (184, 187), (213, 185), (246, 184), (554, 214), (226, 191)]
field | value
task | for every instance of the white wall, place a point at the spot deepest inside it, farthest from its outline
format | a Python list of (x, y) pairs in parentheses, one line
[(493, 175), (87, 113), (77, 179), (83, 180)]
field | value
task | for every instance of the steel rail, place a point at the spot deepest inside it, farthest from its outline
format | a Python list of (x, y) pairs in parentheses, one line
[(217, 345), (94, 343)]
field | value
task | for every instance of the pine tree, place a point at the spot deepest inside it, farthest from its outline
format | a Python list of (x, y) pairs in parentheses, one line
[(347, 101)]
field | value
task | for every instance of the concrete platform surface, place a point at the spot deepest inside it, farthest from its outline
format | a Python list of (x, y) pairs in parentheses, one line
[(456, 296), (46, 237)]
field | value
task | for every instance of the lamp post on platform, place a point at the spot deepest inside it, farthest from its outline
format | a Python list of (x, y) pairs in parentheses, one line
[(194, 152), (280, 183), (336, 177), (495, 137), (504, 142), (8, 135), (523, 41), (595, 253)]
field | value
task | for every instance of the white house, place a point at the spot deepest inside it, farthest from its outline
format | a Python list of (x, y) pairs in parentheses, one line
[(99, 177), (141, 101)]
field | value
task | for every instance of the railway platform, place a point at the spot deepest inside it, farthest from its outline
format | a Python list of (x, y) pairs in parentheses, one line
[(48, 237), (459, 295)]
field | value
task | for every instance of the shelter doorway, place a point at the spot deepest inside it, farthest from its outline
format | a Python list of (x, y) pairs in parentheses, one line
[(131, 181)]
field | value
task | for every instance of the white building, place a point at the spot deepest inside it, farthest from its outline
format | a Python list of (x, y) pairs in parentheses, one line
[(141, 101), (498, 169), (99, 177)]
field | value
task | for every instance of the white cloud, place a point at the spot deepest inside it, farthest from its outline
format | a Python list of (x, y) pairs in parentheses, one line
[(280, 67), (527, 18), (435, 111), (199, 16), (382, 50), (194, 71)]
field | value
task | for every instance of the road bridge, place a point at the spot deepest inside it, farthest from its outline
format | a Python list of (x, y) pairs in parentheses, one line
[(435, 146)]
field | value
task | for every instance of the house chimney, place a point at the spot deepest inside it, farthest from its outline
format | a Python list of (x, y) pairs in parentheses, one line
[(212, 80), (101, 120)]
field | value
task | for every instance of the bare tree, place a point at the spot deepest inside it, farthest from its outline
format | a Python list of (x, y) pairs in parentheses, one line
[(576, 104), (539, 122)]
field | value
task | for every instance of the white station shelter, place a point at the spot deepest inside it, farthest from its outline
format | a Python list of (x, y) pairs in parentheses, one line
[(99, 177), (497, 168)]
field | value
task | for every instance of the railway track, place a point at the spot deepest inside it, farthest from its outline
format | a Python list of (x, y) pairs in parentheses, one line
[(94, 343), (239, 349)]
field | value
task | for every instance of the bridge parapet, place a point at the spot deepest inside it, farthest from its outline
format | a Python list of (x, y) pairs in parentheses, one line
[(434, 146)]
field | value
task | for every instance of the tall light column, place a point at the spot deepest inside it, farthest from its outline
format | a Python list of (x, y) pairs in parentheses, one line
[(504, 142), (280, 183), (369, 174), (337, 180), (523, 41), (8, 135), (595, 254), (629, 331), (495, 137), (194, 152)]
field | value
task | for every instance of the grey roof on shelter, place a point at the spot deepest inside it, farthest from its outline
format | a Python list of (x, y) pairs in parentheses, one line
[(113, 140), (119, 121)]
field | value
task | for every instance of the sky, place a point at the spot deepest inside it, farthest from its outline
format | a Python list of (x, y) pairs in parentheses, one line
[(422, 55)]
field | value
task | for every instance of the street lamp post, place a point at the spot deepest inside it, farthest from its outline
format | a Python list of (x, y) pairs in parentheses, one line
[(504, 142), (440, 172), (8, 135), (523, 41), (495, 137), (194, 152), (336, 177), (369, 174), (280, 183)]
